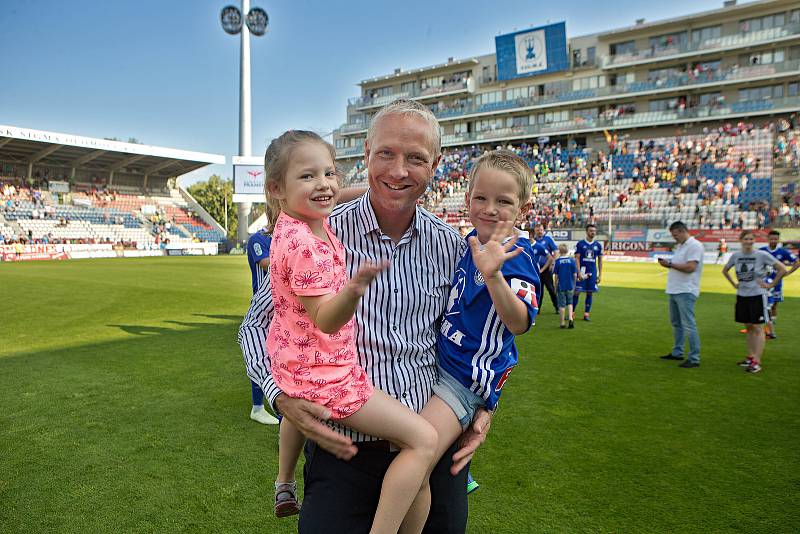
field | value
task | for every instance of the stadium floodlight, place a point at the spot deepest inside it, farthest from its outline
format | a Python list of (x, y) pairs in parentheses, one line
[(254, 22), (231, 19), (257, 21)]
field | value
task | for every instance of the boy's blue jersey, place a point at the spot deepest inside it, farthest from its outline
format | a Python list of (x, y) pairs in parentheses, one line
[(566, 269), (783, 256), (589, 253), (474, 346), (258, 249)]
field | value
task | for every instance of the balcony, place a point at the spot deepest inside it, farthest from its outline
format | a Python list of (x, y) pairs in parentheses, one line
[(353, 128), (662, 85), (366, 102), (350, 151), (727, 42), (645, 119)]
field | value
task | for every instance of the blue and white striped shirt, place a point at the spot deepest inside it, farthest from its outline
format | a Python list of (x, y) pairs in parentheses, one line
[(397, 319)]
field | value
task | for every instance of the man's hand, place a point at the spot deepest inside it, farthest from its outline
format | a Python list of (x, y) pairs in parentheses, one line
[(306, 415), (471, 439), (663, 262)]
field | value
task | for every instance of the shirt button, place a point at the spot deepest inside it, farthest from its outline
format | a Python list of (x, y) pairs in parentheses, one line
[(394, 327), (399, 359), (405, 395), (396, 290)]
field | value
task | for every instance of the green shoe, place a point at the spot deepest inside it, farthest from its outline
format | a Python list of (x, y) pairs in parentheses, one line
[(472, 485)]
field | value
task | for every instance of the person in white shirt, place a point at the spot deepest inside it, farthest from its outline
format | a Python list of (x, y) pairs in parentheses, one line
[(683, 287)]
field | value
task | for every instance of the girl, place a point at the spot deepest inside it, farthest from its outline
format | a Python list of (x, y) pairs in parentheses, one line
[(751, 294), (310, 341)]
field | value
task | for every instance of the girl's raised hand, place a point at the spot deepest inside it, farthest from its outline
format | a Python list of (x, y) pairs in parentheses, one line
[(367, 272), (490, 257)]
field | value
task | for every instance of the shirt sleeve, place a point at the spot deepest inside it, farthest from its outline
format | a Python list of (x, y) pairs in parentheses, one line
[(253, 341), (731, 261), (696, 253), (312, 268), (258, 250), (768, 258), (524, 286)]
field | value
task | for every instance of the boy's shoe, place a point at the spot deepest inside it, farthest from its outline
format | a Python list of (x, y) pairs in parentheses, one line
[(586, 318), (262, 416), (571, 324), (286, 499), (771, 336), (671, 356), (753, 368), (472, 485), (688, 365), (745, 363), (743, 331), (562, 325)]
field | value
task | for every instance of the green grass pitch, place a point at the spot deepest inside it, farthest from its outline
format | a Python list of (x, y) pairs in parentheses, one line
[(124, 408)]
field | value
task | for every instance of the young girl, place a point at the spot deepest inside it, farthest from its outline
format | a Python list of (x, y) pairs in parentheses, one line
[(311, 343), (752, 308)]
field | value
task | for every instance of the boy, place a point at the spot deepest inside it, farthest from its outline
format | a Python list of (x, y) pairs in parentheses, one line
[(566, 274), (487, 306), (784, 256)]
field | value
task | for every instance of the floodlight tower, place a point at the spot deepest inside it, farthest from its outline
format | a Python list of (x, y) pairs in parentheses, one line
[(255, 22)]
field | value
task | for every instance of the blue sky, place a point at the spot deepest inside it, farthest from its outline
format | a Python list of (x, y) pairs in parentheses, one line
[(164, 72)]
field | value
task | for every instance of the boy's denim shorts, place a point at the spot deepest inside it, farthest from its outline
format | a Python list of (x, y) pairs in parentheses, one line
[(461, 400), (564, 297)]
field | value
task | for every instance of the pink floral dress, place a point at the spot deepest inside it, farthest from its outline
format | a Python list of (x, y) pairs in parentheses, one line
[(306, 362)]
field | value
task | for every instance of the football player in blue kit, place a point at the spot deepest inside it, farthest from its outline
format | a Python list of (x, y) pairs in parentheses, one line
[(589, 257), (776, 294), (258, 259)]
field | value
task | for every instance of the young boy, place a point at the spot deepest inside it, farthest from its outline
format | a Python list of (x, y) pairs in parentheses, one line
[(487, 306), (566, 271)]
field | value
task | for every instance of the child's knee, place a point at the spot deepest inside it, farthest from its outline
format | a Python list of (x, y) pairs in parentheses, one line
[(426, 440)]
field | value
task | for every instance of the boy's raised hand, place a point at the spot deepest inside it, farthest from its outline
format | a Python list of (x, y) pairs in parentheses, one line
[(489, 258), (367, 272)]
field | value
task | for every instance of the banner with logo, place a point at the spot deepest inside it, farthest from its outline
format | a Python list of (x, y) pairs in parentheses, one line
[(248, 179), (560, 235), (630, 235), (530, 52), (726, 234), (659, 235)]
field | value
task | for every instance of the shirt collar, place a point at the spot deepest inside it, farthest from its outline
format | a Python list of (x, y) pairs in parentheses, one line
[(369, 222)]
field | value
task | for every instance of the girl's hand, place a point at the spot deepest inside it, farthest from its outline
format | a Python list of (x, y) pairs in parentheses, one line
[(367, 272), (491, 257)]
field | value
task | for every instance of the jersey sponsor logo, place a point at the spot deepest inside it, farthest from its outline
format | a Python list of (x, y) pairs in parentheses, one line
[(257, 248), (525, 291), (450, 332), (455, 294), (503, 379)]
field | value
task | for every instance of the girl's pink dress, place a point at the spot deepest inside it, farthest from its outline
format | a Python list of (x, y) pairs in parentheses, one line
[(306, 362)]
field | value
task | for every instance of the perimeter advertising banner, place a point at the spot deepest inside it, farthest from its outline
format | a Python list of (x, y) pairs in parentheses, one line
[(530, 52)]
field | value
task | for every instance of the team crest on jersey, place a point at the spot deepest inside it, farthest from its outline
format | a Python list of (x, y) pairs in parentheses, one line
[(525, 291), (478, 278), (257, 248)]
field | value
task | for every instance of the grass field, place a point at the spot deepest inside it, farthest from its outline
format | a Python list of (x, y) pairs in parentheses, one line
[(124, 408)]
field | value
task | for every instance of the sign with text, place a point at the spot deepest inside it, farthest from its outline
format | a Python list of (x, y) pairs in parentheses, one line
[(248, 179), (530, 52)]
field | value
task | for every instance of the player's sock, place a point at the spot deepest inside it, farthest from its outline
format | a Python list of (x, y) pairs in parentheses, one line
[(575, 300), (588, 307), (257, 394)]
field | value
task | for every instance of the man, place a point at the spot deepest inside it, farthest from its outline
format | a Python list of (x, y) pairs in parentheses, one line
[(683, 287), (722, 249), (589, 258), (396, 331), (776, 294), (258, 260), (546, 272)]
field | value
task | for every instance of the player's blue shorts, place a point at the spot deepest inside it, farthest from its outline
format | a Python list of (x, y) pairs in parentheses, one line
[(460, 399), (588, 285), (775, 295)]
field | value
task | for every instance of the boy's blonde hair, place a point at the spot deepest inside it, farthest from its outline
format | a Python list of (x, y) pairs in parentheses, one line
[(562, 248), (509, 162), (276, 163)]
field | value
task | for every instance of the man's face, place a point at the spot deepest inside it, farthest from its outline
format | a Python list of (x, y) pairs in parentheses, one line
[(773, 239), (400, 162), (591, 232), (538, 231), (679, 235)]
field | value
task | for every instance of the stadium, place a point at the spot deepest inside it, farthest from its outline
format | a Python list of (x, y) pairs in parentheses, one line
[(125, 395)]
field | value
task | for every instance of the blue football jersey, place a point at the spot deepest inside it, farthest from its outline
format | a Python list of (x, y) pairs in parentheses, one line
[(783, 256), (474, 346), (540, 254), (566, 269), (258, 249), (549, 244), (589, 253)]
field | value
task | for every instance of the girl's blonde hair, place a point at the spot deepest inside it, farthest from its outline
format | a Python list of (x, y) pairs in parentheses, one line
[(276, 163)]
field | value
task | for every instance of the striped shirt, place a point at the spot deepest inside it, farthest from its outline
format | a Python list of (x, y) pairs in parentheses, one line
[(397, 320)]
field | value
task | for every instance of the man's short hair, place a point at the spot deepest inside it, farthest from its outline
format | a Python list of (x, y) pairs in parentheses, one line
[(774, 232), (591, 225), (403, 106), (678, 225)]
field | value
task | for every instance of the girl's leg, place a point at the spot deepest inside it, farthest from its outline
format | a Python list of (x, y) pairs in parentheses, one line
[(291, 443), (406, 480)]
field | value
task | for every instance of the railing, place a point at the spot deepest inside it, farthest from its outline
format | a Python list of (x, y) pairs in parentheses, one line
[(625, 121), (368, 101), (670, 82), (350, 151), (726, 41), (355, 127)]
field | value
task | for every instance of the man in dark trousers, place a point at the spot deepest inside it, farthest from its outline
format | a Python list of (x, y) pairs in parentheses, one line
[(547, 274)]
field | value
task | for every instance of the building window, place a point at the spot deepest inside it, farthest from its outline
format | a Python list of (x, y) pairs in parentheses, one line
[(767, 57), (517, 93), (710, 99), (669, 40), (432, 81), (590, 82), (794, 87), (407, 87), (618, 49), (517, 122), (705, 34), (664, 104), (762, 23), (590, 55), (461, 128), (489, 98), (761, 93)]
